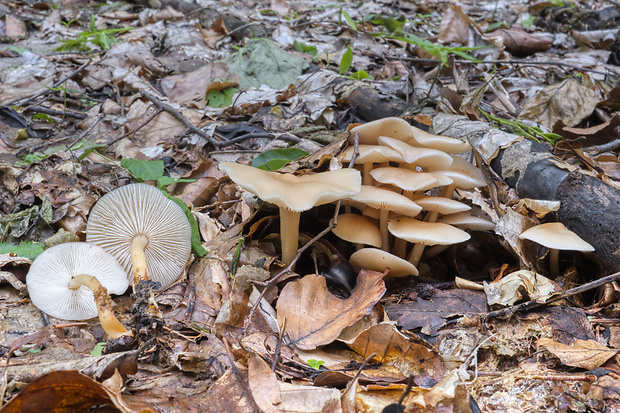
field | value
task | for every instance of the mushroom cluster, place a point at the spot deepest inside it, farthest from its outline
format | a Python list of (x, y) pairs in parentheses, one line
[(409, 178)]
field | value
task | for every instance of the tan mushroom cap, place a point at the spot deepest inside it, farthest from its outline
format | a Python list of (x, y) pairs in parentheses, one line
[(392, 127), (464, 174), (138, 210), (378, 260), (371, 154), (429, 159), (294, 192), (409, 180), (468, 221), (426, 233), (384, 199), (442, 143), (51, 272), (555, 235), (441, 205), (358, 230)]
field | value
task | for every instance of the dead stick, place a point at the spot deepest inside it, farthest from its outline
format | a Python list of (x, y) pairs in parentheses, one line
[(528, 305), (163, 106)]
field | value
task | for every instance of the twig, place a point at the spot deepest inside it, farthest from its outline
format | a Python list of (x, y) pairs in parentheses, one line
[(301, 250), (146, 122), (528, 305), (276, 352), (284, 137), (27, 99), (87, 131), (54, 112), (606, 147), (163, 106)]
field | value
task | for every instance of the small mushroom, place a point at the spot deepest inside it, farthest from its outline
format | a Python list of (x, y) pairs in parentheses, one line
[(378, 260), (61, 283), (357, 229), (556, 237), (367, 156), (442, 143), (392, 127), (294, 194), (148, 233), (429, 159)]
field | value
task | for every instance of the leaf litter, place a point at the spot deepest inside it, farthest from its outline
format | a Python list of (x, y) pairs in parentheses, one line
[(94, 97)]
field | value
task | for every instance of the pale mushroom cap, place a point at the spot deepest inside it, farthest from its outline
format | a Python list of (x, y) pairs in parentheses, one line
[(385, 199), (378, 260), (431, 159), (371, 154), (358, 229), (427, 233), (442, 143), (50, 273), (464, 174), (396, 128), (408, 179), (140, 209), (555, 235), (297, 193), (467, 220), (440, 204)]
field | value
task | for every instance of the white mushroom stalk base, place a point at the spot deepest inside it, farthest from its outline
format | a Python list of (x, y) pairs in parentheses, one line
[(138, 259), (109, 322), (289, 234)]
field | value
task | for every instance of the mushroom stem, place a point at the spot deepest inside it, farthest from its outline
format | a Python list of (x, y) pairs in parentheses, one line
[(554, 262), (383, 227), (416, 253), (108, 320), (289, 234), (138, 258), (367, 178)]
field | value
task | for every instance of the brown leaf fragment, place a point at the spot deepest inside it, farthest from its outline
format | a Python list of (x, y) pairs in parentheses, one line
[(521, 43), (588, 354), (263, 384), (315, 317), (228, 395), (455, 26), (309, 399), (15, 28)]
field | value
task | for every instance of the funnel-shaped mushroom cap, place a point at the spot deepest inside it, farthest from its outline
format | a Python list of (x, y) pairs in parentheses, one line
[(426, 233), (427, 158), (442, 143), (292, 192), (396, 128), (379, 260), (556, 236), (357, 229), (49, 276), (408, 179), (140, 209)]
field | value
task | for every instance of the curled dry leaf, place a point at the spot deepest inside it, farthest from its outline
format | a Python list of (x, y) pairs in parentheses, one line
[(588, 354), (518, 285), (315, 317), (263, 384)]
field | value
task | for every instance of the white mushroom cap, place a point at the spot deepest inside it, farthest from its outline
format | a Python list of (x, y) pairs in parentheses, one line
[(426, 233), (408, 179), (50, 273), (467, 220), (440, 204), (371, 154), (396, 128), (379, 260), (385, 199), (464, 174), (140, 209), (556, 236), (432, 159), (442, 143), (357, 229)]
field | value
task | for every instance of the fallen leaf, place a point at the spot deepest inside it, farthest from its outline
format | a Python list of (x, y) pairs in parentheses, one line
[(517, 286), (315, 317), (263, 384), (588, 354)]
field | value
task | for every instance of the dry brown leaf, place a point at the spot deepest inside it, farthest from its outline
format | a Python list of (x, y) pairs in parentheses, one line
[(569, 101), (315, 317), (519, 285), (15, 28), (228, 395), (454, 26), (519, 42), (588, 354), (308, 399), (263, 384)]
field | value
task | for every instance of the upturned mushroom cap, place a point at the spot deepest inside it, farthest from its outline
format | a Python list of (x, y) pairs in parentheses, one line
[(379, 260), (431, 159), (442, 143), (140, 209), (468, 221), (50, 273), (426, 233), (556, 236), (396, 128), (371, 154), (464, 174), (441, 205), (293, 192), (384, 199), (409, 180), (358, 230)]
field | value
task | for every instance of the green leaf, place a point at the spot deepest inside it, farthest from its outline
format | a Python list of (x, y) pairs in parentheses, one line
[(315, 364), (345, 62), (349, 20), (98, 349), (44, 117), (274, 159), (527, 23), (305, 48), (221, 99), (26, 249), (144, 170), (393, 25), (359, 75), (197, 247), (262, 61), (86, 146)]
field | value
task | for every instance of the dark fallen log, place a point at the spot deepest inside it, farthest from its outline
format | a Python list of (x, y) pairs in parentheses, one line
[(588, 206)]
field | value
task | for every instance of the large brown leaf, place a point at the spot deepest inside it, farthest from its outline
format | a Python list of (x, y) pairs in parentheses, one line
[(315, 317)]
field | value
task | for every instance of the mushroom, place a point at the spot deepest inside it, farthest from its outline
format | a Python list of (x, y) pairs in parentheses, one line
[(367, 156), (392, 127), (378, 260), (425, 233), (442, 143), (148, 233), (294, 194), (61, 284), (357, 229), (556, 237), (408, 180), (431, 159)]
